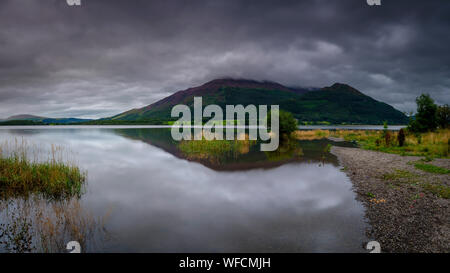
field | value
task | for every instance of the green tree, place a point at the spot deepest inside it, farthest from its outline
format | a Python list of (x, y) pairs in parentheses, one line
[(425, 119), (443, 116)]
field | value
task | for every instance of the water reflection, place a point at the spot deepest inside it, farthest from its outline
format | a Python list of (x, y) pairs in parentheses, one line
[(161, 202), (247, 157)]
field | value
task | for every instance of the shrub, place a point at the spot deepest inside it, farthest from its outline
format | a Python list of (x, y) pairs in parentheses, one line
[(288, 123), (443, 116), (426, 118)]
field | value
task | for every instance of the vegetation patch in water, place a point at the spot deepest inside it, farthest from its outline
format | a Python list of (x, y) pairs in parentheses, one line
[(54, 178), (214, 150)]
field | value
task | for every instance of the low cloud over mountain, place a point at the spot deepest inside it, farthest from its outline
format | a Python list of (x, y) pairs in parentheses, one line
[(108, 56)]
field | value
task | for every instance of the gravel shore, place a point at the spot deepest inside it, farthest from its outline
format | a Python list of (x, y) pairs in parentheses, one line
[(404, 215)]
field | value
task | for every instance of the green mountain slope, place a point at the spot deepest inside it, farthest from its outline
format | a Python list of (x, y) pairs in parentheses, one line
[(337, 104), (341, 103)]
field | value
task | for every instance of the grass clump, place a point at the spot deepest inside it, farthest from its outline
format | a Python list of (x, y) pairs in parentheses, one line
[(370, 195), (215, 150), (399, 174), (431, 168), (54, 178), (402, 176), (442, 191)]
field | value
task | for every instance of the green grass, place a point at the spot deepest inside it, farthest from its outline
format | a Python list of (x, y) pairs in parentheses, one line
[(409, 178), (400, 174), (430, 145), (55, 180), (431, 168)]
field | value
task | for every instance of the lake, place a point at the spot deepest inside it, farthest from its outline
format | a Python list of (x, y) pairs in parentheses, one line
[(161, 200)]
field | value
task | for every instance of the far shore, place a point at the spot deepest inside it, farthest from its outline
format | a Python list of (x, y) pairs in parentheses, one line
[(300, 127)]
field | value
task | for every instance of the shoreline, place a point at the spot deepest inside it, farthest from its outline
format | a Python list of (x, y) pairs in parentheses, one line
[(403, 215)]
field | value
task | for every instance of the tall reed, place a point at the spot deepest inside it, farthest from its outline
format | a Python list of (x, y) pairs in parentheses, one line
[(26, 169), (38, 225)]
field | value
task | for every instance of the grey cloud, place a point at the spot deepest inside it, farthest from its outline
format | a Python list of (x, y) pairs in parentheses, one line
[(108, 56)]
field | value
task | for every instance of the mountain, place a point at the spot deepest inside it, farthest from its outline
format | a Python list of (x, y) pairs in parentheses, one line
[(336, 104), (216, 91), (32, 119)]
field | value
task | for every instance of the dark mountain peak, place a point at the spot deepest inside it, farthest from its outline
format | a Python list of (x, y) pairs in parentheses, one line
[(214, 86), (229, 81), (244, 83), (342, 87)]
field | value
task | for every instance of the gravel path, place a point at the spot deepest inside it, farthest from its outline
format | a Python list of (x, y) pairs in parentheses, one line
[(404, 215)]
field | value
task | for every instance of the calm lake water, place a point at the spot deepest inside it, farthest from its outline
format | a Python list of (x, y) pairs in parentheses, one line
[(159, 201)]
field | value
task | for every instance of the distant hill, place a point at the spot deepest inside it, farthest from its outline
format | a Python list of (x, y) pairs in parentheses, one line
[(337, 104), (26, 119)]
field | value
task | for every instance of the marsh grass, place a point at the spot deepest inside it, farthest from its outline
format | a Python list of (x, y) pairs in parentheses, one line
[(38, 225), (26, 169), (215, 150), (311, 134), (431, 144)]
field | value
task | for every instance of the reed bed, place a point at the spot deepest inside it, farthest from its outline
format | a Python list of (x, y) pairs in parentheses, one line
[(26, 169), (37, 225), (214, 150)]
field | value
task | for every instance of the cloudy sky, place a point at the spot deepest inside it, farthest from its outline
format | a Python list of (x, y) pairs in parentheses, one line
[(108, 56)]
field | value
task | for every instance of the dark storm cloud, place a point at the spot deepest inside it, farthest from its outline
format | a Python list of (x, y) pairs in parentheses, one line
[(108, 56)]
